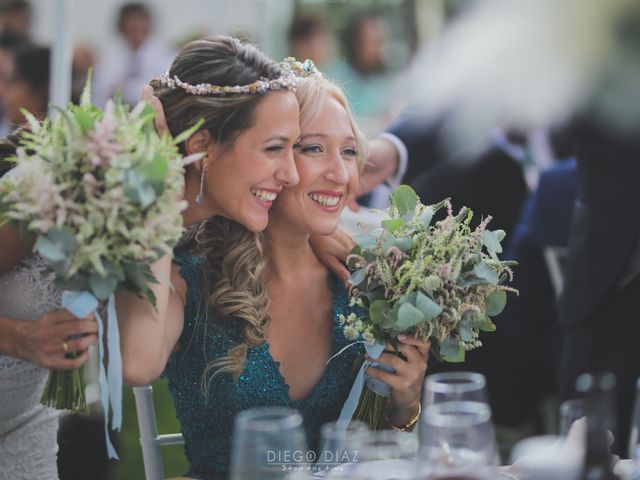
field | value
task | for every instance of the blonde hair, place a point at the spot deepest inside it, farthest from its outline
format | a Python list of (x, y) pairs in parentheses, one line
[(311, 93), (237, 257)]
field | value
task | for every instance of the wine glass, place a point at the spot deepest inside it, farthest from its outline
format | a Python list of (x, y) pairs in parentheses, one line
[(570, 411), (341, 443), (457, 441), (268, 443), (634, 436), (388, 445), (454, 387)]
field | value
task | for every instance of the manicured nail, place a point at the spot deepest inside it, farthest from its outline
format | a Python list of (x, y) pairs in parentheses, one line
[(402, 337)]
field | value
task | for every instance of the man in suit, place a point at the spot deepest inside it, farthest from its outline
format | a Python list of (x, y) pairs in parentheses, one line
[(599, 310)]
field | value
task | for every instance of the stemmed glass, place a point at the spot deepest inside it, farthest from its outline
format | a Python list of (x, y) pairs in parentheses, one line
[(268, 443), (634, 436), (570, 411), (457, 441), (454, 387)]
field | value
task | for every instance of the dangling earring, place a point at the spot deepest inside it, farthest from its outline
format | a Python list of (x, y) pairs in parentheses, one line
[(200, 196)]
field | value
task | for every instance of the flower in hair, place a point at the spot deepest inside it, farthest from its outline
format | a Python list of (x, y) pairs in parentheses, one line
[(262, 85)]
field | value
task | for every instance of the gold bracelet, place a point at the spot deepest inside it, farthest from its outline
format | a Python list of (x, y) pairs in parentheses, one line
[(410, 423)]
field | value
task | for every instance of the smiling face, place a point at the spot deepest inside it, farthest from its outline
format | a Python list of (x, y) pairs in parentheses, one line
[(327, 162), (244, 179)]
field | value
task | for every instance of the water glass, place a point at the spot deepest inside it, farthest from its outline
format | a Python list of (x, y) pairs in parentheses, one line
[(634, 436), (454, 387), (457, 441), (388, 445), (341, 443), (570, 411), (268, 443)]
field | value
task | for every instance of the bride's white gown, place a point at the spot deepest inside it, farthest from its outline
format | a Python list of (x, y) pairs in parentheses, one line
[(28, 430)]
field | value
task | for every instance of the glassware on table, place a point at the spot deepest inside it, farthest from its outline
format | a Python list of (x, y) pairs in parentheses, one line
[(569, 412), (341, 443), (634, 435), (454, 387), (457, 442), (268, 443), (388, 445)]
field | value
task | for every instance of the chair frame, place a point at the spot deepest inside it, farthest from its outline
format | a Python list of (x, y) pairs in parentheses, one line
[(150, 440)]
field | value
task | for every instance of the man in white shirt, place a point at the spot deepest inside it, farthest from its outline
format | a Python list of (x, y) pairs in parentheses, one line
[(137, 60)]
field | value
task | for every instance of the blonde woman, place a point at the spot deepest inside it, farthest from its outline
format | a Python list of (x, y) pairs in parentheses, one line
[(261, 311)]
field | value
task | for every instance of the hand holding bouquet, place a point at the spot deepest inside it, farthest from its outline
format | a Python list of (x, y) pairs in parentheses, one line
[(101, 193), (441, 282)]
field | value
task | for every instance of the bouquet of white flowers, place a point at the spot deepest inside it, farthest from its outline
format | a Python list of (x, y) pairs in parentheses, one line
[(101, 194), (440, 281)]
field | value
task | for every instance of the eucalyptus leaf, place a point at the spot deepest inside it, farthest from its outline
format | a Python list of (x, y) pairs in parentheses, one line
[(426, 216), (496, 302), (403, 243), (488, 326), (459, 357), (491, 241), (49, 249), (408, 317), (428, 307), (485, 274), (379, 311), (393, 224), (466, 332), (103, 287), (357, 277), (449, 347), (405, 199), (365, 240)]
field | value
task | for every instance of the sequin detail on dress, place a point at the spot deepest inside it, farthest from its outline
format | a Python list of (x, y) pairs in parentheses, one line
[(207, 420)]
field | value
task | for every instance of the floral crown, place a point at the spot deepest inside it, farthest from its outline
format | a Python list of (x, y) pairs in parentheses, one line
[(289, 80)]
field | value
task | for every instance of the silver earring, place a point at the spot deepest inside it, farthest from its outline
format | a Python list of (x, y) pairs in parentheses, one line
[(200, 196)]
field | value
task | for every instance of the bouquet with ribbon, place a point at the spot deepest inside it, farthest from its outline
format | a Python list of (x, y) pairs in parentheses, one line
[(101, 194), (441, 281)]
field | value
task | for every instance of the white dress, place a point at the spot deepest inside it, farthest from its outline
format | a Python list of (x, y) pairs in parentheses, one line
[(28, 430)]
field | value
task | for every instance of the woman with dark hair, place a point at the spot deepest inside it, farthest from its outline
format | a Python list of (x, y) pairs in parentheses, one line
[(28, 85), (252, 320)]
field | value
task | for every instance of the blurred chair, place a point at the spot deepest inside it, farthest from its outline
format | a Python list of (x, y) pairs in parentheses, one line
[(150, 440)]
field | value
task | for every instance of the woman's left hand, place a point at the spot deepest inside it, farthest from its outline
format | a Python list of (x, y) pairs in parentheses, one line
[(406, 383)]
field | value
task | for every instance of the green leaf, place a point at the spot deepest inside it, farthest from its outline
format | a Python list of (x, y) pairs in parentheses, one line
[(496, 302), (405, 199), (408, 316), (387, 241), (138, 190), (58, 245), (84, 119), (393, 224), (491, 240), (187, 133), (484, 272), (379, 312), (365, 240), (449, 348), (426, 216), (404, 244), (357, 277), (428, 307), (459, 357), (488, 326), (103, 287), (466, 332)]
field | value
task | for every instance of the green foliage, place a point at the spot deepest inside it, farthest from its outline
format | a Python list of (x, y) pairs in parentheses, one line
[(441, 281)]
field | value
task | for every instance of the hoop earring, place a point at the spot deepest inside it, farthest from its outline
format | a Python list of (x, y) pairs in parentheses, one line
[(200, 196)]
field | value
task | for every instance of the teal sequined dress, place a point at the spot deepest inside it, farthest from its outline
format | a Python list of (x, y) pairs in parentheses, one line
[(207, 419)]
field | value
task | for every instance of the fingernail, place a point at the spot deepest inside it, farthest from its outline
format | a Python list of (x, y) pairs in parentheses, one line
[(402, 337)]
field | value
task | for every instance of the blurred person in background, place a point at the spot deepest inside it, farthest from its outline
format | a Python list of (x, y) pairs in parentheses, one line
[(15, 17), (310, 38), (139, 57), (28, 84), (83, 60), (9, 43), (364, 74)]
